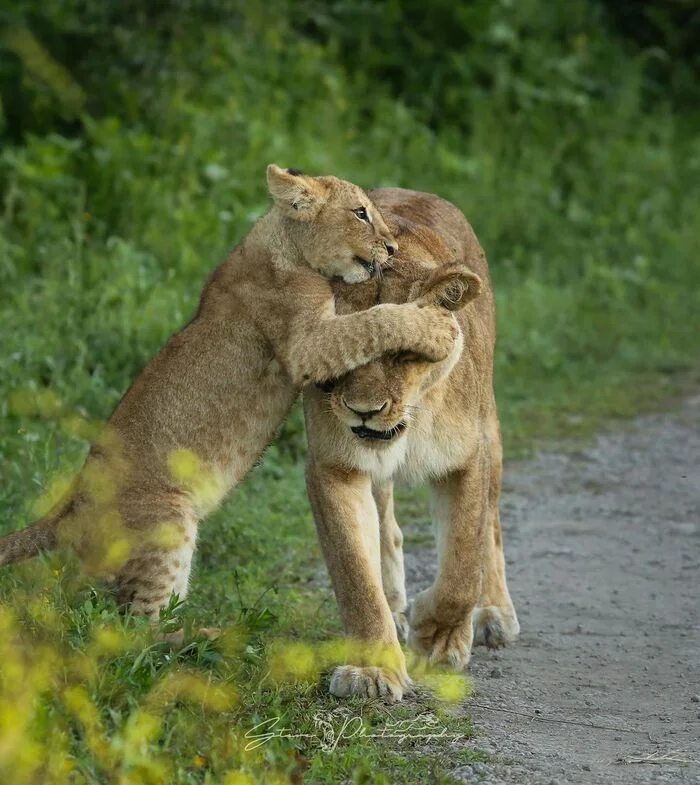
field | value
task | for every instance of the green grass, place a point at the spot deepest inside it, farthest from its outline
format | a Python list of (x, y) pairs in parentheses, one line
[(585, 196), (117, 705)]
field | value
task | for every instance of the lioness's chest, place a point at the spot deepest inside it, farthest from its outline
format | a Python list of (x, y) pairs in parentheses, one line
[(431, 453), (416, 457)]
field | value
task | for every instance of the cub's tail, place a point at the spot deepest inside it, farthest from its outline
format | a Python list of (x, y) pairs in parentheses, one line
[(40, 536)]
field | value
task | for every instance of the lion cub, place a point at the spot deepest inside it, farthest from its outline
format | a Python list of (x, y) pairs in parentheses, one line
[(204, 409)]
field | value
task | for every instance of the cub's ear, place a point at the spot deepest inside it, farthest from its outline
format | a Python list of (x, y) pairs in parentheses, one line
[(296, 194), (452, 286)]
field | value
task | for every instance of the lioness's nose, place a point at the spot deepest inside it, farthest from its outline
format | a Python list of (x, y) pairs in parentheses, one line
[(391, 248), (365, 410)]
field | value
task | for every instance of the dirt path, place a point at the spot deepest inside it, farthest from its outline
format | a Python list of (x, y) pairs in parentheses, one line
[(603, 550)]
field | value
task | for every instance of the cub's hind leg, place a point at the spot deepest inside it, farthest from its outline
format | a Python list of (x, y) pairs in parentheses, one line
[(391, 546), (158, 566), (495, 620)]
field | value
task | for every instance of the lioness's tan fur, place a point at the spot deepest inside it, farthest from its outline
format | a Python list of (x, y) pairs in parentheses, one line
[(204, 409), (451, 438)]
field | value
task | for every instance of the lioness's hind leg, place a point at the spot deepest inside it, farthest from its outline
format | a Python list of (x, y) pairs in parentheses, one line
[(495, 620), (391, 548)]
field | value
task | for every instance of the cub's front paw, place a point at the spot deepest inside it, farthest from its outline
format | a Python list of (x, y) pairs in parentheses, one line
[(368, 682), (493, 628), (437, 340), (443, 639)]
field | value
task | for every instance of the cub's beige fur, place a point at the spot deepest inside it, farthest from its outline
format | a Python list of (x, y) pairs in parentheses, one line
[(204, 409), (440, 424)]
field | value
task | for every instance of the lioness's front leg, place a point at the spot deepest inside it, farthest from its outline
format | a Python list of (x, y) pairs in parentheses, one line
[(348, 528), (391, 540), (441, 616)]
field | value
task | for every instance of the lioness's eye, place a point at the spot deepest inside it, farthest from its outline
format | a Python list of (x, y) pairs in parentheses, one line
[(362, 214)]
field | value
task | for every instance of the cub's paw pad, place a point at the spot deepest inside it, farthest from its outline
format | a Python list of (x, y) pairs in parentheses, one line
[(212, 633), (492, 629), (402, 627), (369, 682), (443, 645), (178, 638)]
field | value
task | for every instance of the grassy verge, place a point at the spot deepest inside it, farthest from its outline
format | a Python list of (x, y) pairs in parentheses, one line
[(89, 697)]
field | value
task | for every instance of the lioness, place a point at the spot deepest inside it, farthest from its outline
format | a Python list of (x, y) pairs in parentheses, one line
[(204, 409), (425, 421)]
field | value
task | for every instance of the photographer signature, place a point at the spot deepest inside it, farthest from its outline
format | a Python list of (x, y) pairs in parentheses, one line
[(331, 729)]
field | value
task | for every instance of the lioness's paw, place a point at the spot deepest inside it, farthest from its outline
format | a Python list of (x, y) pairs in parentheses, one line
[(401, 623), (444, 639), (444, 645), (368, 682), (494, 629)]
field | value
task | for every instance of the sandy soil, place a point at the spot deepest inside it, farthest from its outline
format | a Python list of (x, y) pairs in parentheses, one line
[(603, 551)]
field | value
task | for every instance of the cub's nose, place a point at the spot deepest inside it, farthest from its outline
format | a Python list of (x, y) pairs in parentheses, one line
[(365, 410), (391, 248)]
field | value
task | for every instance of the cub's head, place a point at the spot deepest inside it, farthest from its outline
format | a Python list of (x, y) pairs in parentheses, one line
[(334, 224), (379, 402)]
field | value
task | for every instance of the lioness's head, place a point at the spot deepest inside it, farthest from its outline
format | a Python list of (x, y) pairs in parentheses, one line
[(378, 402), (336, 227)]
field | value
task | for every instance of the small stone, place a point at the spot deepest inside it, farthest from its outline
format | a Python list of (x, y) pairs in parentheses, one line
[(586, 767), (695, 699), (496, 673)]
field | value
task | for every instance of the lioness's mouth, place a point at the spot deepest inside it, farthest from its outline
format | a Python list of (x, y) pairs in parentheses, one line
[(367, 433)]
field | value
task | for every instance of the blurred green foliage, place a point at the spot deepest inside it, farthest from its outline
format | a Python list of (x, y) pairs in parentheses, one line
[(136, 136), (134, 139)]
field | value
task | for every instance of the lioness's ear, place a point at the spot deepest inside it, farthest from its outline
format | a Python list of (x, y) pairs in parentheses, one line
[(452, 286), (296, 194)]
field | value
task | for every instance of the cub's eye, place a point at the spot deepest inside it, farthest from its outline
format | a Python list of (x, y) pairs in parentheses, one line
[(362, 214), (408, 357)]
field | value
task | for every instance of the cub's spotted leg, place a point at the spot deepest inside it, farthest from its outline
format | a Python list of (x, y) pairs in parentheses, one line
[(158, 567), (391, 544), (348, 527), (495, 621), (441, 616)]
